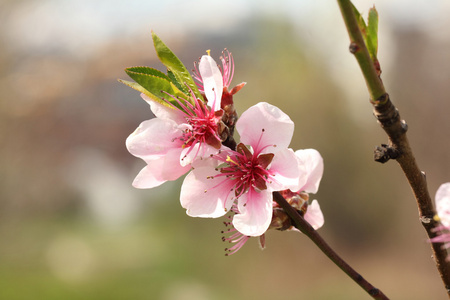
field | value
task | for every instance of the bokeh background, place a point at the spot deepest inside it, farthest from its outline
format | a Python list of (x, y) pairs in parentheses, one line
[(71, 225)]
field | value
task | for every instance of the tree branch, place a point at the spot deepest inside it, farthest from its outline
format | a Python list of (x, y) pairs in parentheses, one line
[(300, 223), (389, 119)]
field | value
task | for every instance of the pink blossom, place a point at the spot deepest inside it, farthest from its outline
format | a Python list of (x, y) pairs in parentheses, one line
[(212, 81), (443, 215), (179, 135), (310, 211), (206, 65), (313, 164), (314, 215), (248, 175)]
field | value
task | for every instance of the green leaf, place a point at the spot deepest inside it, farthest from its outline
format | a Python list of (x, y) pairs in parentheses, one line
[(156, 84), (148, 71), (141, 89), (361, 24), (172, 78), (174, 65), (372, 33), (369, 31)]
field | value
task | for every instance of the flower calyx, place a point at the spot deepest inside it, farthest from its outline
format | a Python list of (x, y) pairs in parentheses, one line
[(280, 219)]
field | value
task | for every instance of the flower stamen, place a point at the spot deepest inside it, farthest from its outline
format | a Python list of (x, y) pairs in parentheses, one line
[(236, 237)]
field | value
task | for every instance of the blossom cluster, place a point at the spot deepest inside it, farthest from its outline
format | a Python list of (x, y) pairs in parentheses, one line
[(194, 135)]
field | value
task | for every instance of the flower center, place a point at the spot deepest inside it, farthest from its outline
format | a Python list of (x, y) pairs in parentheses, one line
[(201, 123), (248, 170), (202, 129)]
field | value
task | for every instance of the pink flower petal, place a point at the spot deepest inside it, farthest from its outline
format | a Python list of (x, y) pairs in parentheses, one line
[(147, 179), (160, 170), (443, 203), (313, 164), (197, 151), (288, 174), (154, 138), (206, 197), (314, 215), (164, 112), (212, 81), (255, 212), (171, 169), (265, 125)]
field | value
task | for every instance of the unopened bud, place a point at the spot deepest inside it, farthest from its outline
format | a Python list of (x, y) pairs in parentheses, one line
[(280, 220)]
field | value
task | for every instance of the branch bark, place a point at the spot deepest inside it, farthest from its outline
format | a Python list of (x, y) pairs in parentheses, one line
[(389, 119), (300, 223)]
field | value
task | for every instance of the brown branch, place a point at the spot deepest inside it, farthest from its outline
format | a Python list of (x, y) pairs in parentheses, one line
[(395, 128), (300, 223), (389, 119)]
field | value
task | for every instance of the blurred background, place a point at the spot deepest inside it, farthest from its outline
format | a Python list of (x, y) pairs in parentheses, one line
[(73, 227)]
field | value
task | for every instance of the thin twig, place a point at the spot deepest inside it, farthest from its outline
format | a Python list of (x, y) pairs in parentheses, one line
[(309, 231), (389, 119)]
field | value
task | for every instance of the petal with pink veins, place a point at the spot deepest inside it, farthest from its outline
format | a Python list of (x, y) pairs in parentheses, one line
[(255, 212), (212, 81), (266, 128), (313, 164), (288, 173), (206, 197), (154, 138), (314, 215)]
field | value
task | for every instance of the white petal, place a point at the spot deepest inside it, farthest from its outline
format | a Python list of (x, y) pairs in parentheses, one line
[(443, 203), (314, 215), (154, 138), (255, 212), (288, 174), (265, 125), (206, 197), (212, 81), (313, 165)]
